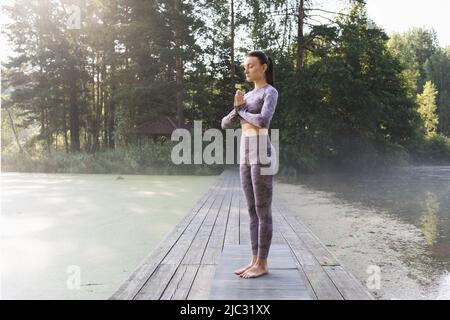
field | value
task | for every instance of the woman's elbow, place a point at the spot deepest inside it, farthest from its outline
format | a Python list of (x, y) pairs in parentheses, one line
[(225, 124)]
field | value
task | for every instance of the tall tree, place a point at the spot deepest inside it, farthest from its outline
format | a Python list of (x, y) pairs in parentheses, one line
[(437, 69), (427, 108), (413, 48)]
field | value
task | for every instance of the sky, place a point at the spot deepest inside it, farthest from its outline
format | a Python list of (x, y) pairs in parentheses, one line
[(391, 15), (400, 15)]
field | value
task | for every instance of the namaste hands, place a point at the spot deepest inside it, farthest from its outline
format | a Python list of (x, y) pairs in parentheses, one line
[(239, 98)]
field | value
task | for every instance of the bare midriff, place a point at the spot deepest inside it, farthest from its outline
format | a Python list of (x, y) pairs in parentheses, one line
[(250, 130)]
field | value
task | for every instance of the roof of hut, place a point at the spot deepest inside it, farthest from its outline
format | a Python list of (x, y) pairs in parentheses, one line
[(160, 126)]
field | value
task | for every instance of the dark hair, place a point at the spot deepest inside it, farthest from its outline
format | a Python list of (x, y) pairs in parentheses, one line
[(263, 58)]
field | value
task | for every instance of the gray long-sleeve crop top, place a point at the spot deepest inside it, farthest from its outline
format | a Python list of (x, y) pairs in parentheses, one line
[(259, 107)]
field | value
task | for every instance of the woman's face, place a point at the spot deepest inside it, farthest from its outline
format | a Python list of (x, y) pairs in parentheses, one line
[(254, 70)]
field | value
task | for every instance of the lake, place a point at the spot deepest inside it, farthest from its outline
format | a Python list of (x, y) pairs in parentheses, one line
[(398, 220), (78, 236)]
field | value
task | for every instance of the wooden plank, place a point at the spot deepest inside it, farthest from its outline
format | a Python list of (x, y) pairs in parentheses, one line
[(177, 253), (320, 283), (157, 282), (208, 251), (216, 240), (318, 249), (350, 285), (262, 293), (180, 284), (347, 284), (200, 242), (232, 230), (305, 280), (202, 285), (130, 287), (282, 282), (190, 234)]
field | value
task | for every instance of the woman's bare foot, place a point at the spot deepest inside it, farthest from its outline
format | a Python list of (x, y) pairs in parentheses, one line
[(256, 270), (242, 270)]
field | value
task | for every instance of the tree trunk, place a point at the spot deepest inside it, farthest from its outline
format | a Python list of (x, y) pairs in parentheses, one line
[(112, 106), (104, 105), (300, 35), (66, 139), (97, 107), (232, 66), (73, 113), (179, 63), (14, 131), (48, 134)]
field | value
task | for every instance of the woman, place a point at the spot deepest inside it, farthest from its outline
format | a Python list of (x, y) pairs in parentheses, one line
[(255, 113)]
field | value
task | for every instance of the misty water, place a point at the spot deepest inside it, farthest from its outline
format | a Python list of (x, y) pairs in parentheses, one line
[(418, 196), (78, 236)]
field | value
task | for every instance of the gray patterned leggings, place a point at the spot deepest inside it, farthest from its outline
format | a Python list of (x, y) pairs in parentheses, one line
[(258, 193)]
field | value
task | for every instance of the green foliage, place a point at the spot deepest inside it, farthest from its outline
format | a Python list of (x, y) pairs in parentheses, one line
[(427, 108), (413, 48), (431, 150), (352, 106), (358, 101), (437, 69), (150, 158)]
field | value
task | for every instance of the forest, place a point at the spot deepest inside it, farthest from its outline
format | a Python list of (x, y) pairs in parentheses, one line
[(85, 74)]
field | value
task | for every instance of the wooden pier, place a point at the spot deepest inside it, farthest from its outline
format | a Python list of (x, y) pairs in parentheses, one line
[(197, 258)]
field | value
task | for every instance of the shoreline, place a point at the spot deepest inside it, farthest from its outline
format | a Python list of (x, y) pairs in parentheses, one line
[(362, 237)]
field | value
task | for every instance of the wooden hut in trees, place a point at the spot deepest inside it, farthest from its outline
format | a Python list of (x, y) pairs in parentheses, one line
[(158, 129)]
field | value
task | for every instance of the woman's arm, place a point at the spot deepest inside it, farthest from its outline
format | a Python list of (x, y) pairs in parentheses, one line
[(229, 119), (261, 120)]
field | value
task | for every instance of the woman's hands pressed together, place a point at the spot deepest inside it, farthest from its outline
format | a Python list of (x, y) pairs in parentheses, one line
[(239, 98)]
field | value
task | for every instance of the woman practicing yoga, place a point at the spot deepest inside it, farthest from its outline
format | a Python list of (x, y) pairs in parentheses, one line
[(255, 113)]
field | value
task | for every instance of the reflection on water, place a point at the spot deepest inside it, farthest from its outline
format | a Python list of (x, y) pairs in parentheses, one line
[(418, 195)]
